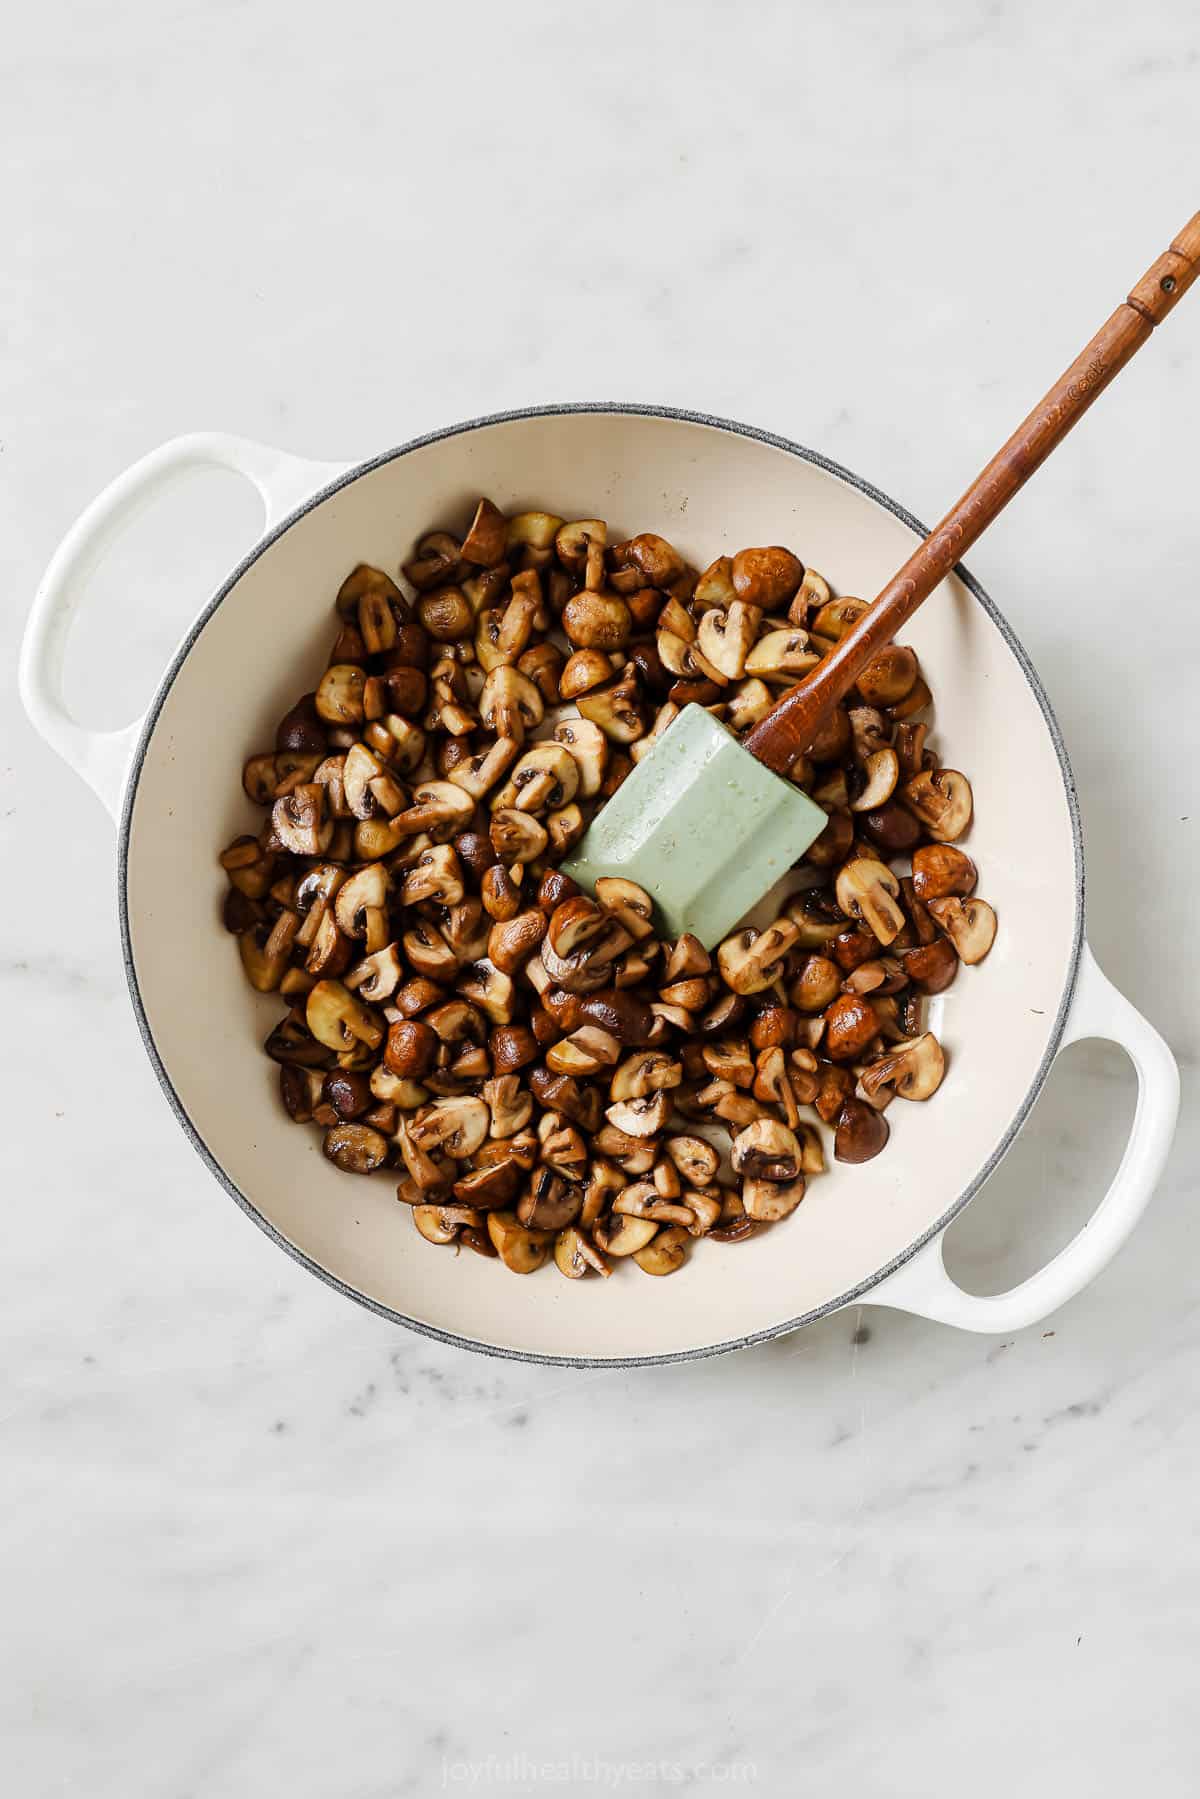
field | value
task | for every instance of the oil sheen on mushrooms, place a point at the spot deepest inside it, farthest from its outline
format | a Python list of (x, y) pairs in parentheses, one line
[(545, 1080)]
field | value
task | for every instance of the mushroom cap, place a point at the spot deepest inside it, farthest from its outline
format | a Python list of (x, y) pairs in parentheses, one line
[(940, 871), (767, 577), (861, 1132)]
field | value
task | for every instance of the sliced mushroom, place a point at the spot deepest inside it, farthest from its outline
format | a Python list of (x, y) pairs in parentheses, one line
[(545, 777), (588, 745), (867, 890), (510, 704), (782, 656), (550, 1202), (330, 950), (575, 1253), (915, 701), (970, 925), (695, 1159), (489, 1188), (584, 1053), (360, 904), (616, 710), (941, 799), (748, 705), (436, 876), (646, 1071), (835, 617), (360, 767), (428, 953), (510, 1105), (405, 745), (627, 1017), (436, 560), (441, 1223), (263, 969), (456, 1126), (487, 539), (584, 670), (643, 1117), (766, 1202), (339, 697), (516, 836), (628, 903), (339, 1020), (914, 1070), (533, 530), (564, 828), (621, 1235), (478, 773), (440, 808), (766, 1150), (726, 637), (522, 1251), (882, 771), (752, 960), (642, 1199), (512, 941), (489, 988), (298, 821)]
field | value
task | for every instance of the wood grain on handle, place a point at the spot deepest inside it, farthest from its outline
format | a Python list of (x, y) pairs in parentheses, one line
[(792, 722)]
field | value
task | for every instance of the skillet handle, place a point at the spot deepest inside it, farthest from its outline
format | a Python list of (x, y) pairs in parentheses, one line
[(102, 758), (923, 1286)]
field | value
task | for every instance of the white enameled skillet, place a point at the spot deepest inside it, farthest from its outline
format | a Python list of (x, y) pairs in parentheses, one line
[(873, 1231)]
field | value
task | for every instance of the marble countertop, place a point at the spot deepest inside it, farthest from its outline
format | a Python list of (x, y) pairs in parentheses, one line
[(254, 1539)]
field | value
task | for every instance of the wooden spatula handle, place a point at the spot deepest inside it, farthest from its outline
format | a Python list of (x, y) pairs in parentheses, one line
[(791, 724)]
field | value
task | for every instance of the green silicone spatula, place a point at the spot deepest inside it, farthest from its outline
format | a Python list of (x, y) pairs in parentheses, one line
[(708, 822)]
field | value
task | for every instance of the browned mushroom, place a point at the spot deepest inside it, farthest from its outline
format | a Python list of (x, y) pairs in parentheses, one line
[(521, 1250), (861, 1132), (767, 1201), (356, 1148), (766, 577), (514, 1007), (939, 871), (914, 1070), (970, 925), (851, 1023), (575, 1253), (941, 799), (932, 966)]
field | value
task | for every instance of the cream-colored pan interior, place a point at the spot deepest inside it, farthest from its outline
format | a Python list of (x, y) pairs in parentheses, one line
[(709, 489)]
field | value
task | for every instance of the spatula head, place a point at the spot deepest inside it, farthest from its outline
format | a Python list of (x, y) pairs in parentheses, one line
[(702, 826)]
